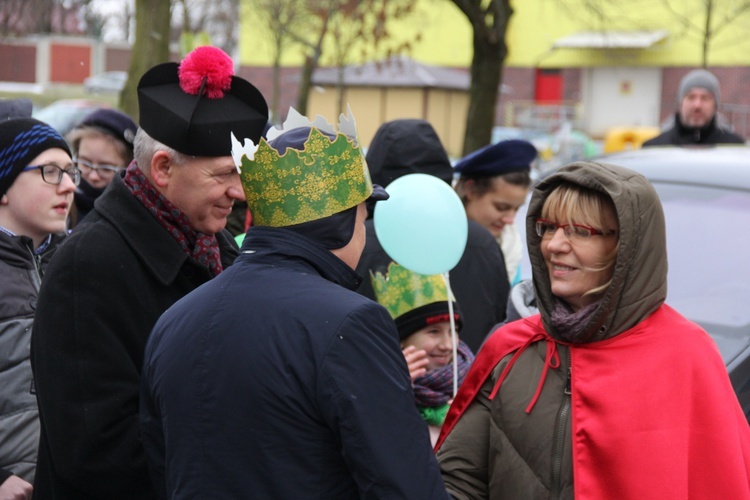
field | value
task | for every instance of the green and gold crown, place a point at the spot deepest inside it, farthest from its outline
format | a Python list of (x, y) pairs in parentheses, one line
[(403, 290), (326, 177)]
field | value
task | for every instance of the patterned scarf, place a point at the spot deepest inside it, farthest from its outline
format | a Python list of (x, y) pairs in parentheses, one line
[(435, 388), (568, 324), (204, 248)]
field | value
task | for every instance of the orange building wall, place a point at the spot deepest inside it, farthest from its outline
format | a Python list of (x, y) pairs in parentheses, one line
[(19, 63), (69, 63)]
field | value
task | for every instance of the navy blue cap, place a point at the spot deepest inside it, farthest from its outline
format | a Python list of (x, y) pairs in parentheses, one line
[(115, 123), (514, 155)]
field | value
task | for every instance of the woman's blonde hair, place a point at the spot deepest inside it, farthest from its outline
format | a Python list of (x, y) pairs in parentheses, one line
[(572, 203), (79, 133)]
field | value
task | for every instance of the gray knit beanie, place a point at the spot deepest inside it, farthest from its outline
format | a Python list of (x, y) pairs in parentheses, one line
[(699, 78)]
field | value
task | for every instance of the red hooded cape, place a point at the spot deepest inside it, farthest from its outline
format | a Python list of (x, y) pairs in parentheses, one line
[(653, 412)]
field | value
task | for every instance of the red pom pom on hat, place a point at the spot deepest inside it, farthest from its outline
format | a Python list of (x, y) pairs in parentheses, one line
[(210, 64)]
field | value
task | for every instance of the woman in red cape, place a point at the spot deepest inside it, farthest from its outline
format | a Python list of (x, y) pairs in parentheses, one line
[(608, 392)]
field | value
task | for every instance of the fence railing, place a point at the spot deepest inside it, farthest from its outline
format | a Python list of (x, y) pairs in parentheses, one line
[(737, 116), (542, 117)]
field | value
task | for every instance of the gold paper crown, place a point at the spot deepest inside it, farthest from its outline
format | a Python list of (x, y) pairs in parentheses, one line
[(403, 290), (324, 178)]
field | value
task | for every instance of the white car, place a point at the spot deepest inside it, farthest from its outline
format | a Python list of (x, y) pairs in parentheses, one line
[(109, 81), (65, 114)]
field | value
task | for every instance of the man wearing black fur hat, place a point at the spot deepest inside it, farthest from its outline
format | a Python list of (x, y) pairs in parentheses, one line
[(695, 121), (277, 380), (153, 236)]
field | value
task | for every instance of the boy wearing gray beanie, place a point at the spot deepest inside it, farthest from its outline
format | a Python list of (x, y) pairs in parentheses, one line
[(695, 121)]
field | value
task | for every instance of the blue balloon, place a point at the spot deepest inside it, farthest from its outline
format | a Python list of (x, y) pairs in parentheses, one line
[(423, 225)]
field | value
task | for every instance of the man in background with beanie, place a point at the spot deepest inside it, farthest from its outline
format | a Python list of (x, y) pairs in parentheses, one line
[(37, 180), (695, 121), (277, 380), (153, 236)]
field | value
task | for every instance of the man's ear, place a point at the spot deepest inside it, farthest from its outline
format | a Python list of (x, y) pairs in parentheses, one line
[(161, 169), (4, 200)]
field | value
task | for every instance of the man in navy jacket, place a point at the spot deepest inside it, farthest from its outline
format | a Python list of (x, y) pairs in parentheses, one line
[(276, 380)]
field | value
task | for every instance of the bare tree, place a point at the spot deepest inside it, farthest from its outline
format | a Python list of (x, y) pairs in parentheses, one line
[(363, 25), (26, 17), (489, 22), (348, 24), (14, 16), (217, 19), (151, 47), (320, 13), (704, 21), (283, 18)]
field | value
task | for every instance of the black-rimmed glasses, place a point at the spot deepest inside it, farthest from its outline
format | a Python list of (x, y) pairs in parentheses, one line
[(52, 174)]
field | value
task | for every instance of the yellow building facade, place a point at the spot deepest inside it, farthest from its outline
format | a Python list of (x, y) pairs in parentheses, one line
[(620, 58)]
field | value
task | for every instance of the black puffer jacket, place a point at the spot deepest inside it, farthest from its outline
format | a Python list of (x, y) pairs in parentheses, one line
[(682, 135), (479, 280)]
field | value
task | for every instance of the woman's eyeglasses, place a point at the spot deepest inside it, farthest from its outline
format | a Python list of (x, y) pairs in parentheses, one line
[(579, 232), (104, 171), (52, 174)]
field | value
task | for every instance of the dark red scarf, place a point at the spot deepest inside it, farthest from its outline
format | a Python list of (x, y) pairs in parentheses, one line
[(203, 248)]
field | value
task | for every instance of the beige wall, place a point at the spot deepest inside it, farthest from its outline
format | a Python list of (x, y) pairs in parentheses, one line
[(371, 107), (446, 111)]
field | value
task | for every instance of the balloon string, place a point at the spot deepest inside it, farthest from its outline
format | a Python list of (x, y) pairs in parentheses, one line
[(454, 336)]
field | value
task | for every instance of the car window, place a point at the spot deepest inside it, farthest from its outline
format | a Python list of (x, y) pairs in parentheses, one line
[(709, 274)]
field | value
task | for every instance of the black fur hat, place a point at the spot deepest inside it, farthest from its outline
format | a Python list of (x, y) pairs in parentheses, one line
[(195, 106)]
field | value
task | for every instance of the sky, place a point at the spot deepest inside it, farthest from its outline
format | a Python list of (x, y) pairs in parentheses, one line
[(112, 10)]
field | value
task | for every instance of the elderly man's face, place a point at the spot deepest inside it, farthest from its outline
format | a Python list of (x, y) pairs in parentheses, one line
[(697, 108), (205, 189)]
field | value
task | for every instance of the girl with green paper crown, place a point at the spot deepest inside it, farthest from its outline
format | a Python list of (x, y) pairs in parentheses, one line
[(419, 306)]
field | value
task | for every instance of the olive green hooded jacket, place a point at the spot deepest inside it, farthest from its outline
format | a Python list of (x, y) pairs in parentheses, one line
[(497, 450)]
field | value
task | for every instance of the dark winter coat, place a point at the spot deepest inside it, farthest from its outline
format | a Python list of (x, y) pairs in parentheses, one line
[(682, 135), (275, 380), (20, 274), (479, 280), (103, 292)]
